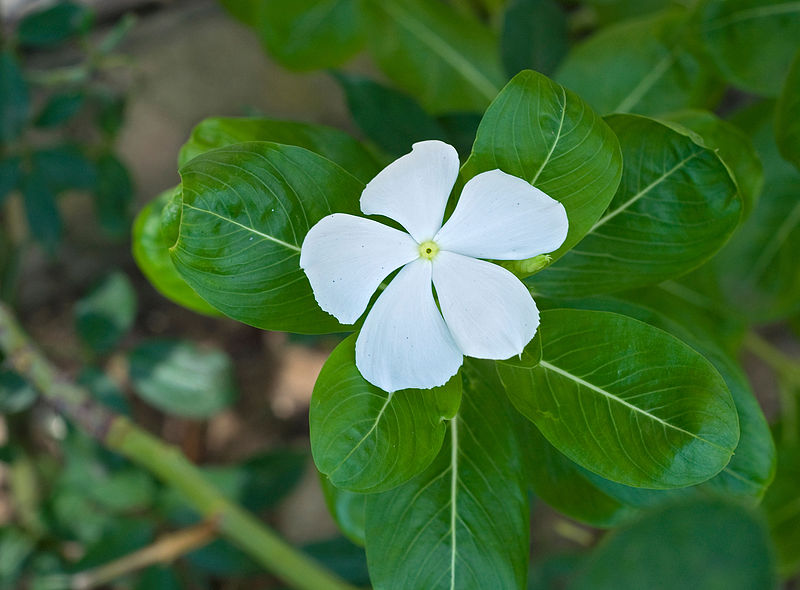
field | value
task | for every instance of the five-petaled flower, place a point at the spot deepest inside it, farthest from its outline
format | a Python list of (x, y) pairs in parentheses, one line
[(405, 341)]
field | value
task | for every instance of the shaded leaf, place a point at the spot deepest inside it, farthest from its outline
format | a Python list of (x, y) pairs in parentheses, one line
[(782, 506), (14, 98), (55, 24), (44, 220), (10, 173), (60, 108), (535, 36), (106, 314), (346, 508), (113, 194), (343, 558), (16, 394), (65, 167), (787, 115)]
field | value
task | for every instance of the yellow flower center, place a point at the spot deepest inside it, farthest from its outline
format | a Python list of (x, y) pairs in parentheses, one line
[(428, 250)]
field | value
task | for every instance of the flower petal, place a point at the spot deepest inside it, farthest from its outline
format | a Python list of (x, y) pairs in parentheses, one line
[(404, 342), (346, 257), (503, 217), (488, 310), (413, 190)]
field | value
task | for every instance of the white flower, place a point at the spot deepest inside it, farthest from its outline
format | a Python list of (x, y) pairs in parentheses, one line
[(488, 313)]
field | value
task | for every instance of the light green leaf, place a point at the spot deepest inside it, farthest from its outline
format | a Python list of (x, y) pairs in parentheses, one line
[(787, 115), (705, 543), (734, 148), (106, 314), (462, 523), (181, 378), (337, 146), (535, 36), (151, 252), (245, 211), (366, 440), (446, 61), (346, 508), (14, 98), (542, 132), (675, 207), (304, 34), (660, 75), (602, 397), (752, 42)]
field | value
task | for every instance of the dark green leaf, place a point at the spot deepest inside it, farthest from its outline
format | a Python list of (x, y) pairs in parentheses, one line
[(14, 98), (60, 108), (123, 536), (782, 505), (44, 220), (601, 396), (151, 252), (330, 143), (113, 195), (245, 212), (55, 24), (10, 172), (446, 61), (181, 378), (343, 558), (675, 207), (16, 394), (392, 119), (158, 577), (65, 167), (346, 508), (706, 544), (110, 112), (752, 42), (660, 75), (542, 132), (460, 130), (463, 522), (104, 390), (106, 314), (787, 115), (367, 440), (535, 36)]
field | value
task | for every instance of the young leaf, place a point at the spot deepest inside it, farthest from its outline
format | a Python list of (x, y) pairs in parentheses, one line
[(787, 115), (446, 61), (245, 212), (392, 119), (535, 36), (662, 551), (182, 379), (731, 29), (14, 98), (366, 440), (151, 252), (660, 75), (463, 522), (675, 207), (330, 143), (542, 132), (54, 25), (106, 314), (601, 396)]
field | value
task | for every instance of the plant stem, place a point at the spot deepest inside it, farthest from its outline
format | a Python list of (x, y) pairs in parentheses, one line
[(166, 462), (165, 550), (787, 368)]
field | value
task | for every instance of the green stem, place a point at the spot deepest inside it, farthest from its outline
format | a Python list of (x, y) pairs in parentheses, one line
[(166, 462)]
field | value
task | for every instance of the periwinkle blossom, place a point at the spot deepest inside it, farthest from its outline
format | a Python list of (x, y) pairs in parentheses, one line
[(486, 311)]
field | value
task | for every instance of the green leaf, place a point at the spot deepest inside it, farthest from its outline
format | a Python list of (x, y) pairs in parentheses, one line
[(392, 119), (341, 557), (60, 108), (65, 167), (151, 252), (10, 173), (14, 98), (367, 440), (708, 543), (127, 490), (305, 34), (446, 61), (44, 220), (610, 11), (245, 212), (460, 130), (330, 143), (542, 132), (660, 75), (734, 148), (347, 509), (104, 390), (158, 577), (787, 115), (675, 207), (535, 36), (601, 396), (106, 314), (16, 394), (752, 42), (782, 507), (54, 25), (463, 522), (182, 379), (15, 548), (113, 194)]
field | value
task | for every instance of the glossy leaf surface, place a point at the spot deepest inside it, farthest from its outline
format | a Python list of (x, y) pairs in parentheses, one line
[(366, 440)]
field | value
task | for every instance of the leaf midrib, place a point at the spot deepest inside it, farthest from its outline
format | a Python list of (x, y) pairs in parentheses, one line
[(621, 401)]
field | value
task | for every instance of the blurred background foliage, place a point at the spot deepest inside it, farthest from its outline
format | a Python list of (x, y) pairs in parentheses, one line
[(96, 100)]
